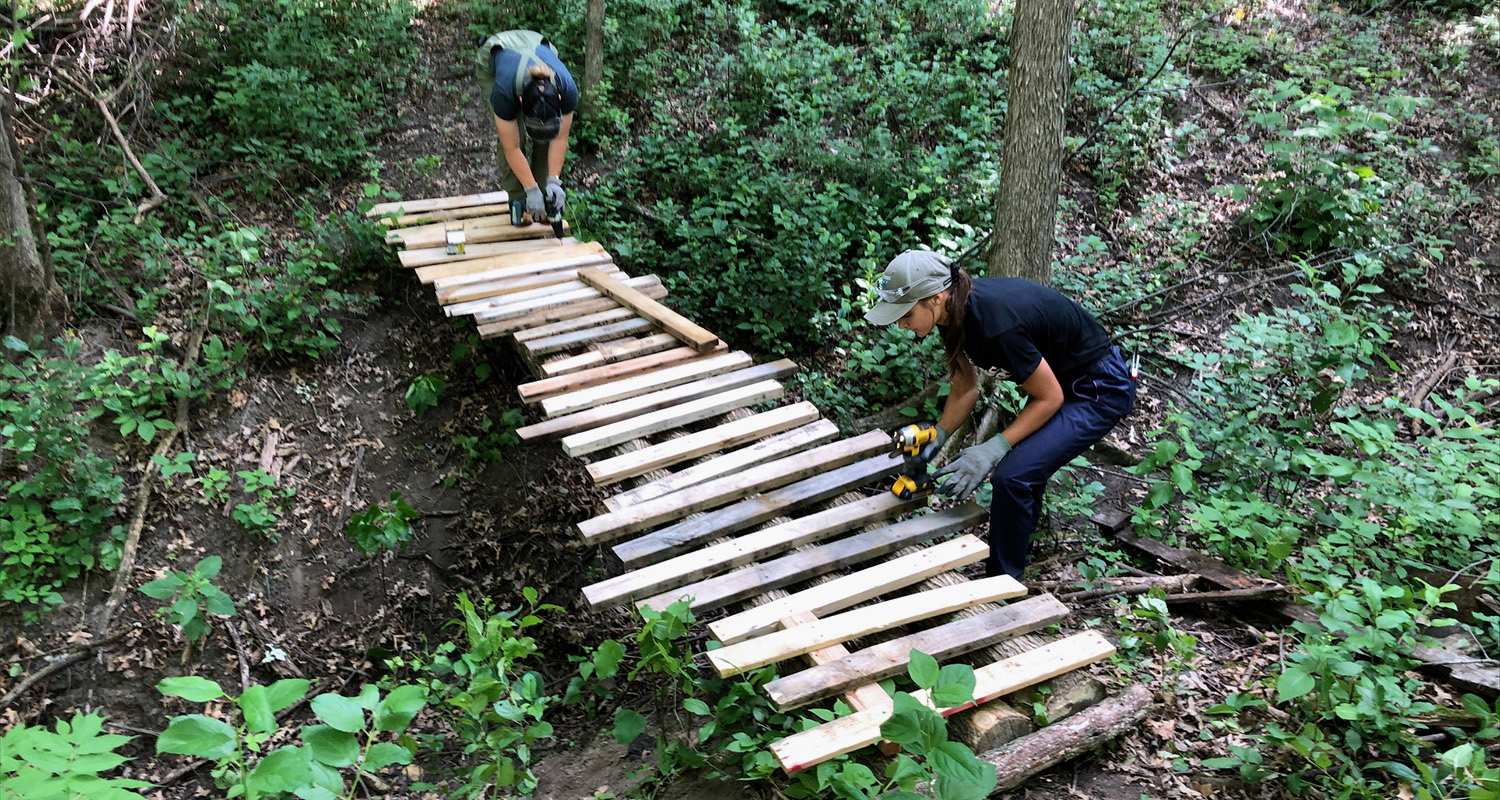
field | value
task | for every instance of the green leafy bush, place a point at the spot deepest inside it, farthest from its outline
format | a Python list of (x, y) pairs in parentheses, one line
[(379, 527), (65, 763), (422, 395), (192, 596)]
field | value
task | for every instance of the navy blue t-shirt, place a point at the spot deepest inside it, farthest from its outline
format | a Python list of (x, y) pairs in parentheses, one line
[(503, 97), (1012, 324)]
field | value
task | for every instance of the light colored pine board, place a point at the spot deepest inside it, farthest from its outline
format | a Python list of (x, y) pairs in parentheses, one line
[(683, 536), (519, 303), (774, 447), (535, 236), (721, 491), (436, 234), (584, 430), (611, 316), (550, 387), (664, 378), (546, 255), (726, 436), (436, 203), (712, 560), (861, 698), (413, 220), (667, 319), (847, 734), (852, 589), (664, 419), (781, 645), (513, 307), (514, 291), (610, 352), (569, 341), (890, 658), (712, 593), (470, 292), (548, 316)]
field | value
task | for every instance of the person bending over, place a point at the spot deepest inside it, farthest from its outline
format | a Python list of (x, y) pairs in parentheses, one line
[(532, 97)]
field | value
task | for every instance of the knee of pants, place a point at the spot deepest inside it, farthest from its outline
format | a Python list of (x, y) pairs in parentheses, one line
[(1013, 483)]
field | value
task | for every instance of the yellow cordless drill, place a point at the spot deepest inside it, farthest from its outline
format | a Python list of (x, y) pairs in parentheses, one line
[(910, 441)]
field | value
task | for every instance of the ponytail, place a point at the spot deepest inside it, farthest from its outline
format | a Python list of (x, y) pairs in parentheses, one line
[(957, 306)]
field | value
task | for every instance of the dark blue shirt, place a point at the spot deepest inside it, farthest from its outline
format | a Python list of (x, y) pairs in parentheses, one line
[(503, 97), (1012, 324)]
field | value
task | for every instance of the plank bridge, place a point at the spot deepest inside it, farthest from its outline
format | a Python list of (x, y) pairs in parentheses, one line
[(768, 513)]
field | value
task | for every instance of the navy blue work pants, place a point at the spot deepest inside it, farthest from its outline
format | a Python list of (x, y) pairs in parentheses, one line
[(1092, 404)]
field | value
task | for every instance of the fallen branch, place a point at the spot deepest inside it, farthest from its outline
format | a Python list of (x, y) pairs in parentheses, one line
[(359, 460), (1230, 595), (239, 648), (1060, 741), (158, 198)]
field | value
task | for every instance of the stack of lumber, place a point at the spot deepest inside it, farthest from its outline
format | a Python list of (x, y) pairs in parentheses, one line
[(724, 485)]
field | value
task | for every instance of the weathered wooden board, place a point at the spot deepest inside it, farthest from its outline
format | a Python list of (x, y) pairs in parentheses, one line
[(540, 257), (548, 316), (778, 646), (517, 292), (519, 308), (667, 319), (890, 658), (768, 449), (436, 203), (690, 567), (609, 353), (585, 322), (436, 234), (664, 378), (469, 292), (525, 237), (852, 589), (721, 491), (665, 419), (571, 341), (429, 217), (685, 535), (720, 591), (573, 381), (726, 436), (847, 734)]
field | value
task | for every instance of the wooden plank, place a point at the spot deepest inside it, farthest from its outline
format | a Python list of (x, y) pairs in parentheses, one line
[(718, 492), (475, 229), (664, 378), (436, 203), (852, 589), (611, 353), (862, 698), (513, 307), (560, 250), (541, 262), (604, 333), (683, 536), (548, 316), (633, 426), (712, 593), (585, 431), (847, 734), (699, 564), (443, 215), (549, 387), (537, 235), (773, 647), (669, 320), (468, 292), (513, 291), (520, 302), (576, 324), (683, 448), (775, 447), (889, 659)]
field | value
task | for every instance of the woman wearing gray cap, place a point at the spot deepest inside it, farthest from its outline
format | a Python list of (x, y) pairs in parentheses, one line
[(533, 97), (1078, 382)]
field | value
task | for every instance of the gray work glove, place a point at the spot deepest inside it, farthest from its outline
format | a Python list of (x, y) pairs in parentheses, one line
[(555, 197), (931, 450), (973, 466), (534, 203)]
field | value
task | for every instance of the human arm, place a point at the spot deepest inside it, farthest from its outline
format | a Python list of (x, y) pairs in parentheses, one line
[(557, 151), (963, 393), (1046, 398), (509, 131)]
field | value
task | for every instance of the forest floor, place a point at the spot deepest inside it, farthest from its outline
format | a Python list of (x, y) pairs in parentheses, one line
[(338, 432)]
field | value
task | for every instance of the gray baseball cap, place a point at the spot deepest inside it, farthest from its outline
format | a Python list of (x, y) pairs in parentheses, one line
[(910, 277)]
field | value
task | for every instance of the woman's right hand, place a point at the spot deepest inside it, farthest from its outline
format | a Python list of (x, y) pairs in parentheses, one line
[(973, 467)]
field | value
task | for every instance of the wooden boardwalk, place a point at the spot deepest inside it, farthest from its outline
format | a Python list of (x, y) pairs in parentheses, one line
[(729, 495)]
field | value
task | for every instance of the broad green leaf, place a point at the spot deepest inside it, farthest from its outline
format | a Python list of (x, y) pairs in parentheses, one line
[(255, 703), (332, 747), (695, 706), (285, 692), (282, 770), (197, 735), (161, 588), (607, 657), (209, 567), (1293, 683), (368, 697), (383, 755), (923, 669), (905, 771), (955, 686), (399, 707), (628, 725), (216, 602), (191, 688), (341, 713)]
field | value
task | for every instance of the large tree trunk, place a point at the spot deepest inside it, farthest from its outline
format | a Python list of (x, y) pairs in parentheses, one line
[(1031, 164), (31, 302), (593, 55)]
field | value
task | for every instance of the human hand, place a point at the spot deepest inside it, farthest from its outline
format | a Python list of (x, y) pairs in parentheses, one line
[(534, 204), (555, 198), (973, 466), (930, 450)]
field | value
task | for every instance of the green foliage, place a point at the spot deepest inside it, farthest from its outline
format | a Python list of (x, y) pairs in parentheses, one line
[(64, 763), (379, 527), (1146, 629), (422, 395), (262, 505), (191, 597), (489, 443), (349, 737)]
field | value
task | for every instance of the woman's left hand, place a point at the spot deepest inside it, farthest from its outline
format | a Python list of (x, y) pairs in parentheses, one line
[(973, 467)]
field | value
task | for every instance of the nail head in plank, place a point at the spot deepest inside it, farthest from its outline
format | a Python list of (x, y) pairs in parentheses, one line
[(847, 734), (771, 648), (573, 381), (663, 419), (775, 447), (506, 265), (717, 558), (664, 378), (706, 595), (611, 526), (723, 437), (669, 320), (853, 589), (436, 203), (890, 658)]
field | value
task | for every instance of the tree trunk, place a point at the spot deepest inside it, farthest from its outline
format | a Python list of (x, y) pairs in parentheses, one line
[(1052, 745), (31, 302), (1031, 163), (593, 55)]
